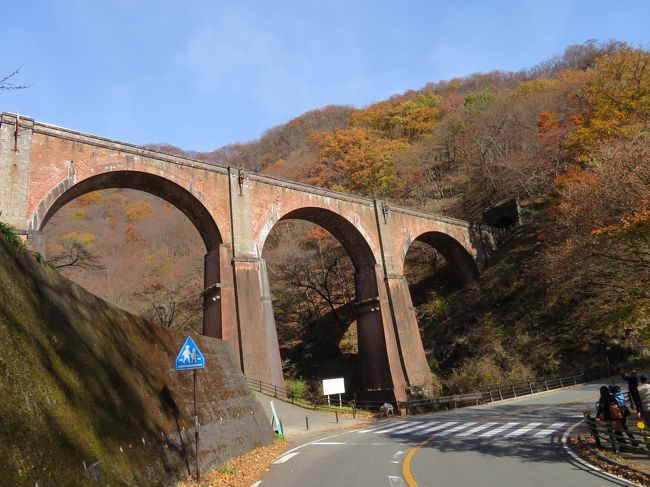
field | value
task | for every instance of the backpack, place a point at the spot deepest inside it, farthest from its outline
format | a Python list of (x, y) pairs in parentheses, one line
[(615, 411)]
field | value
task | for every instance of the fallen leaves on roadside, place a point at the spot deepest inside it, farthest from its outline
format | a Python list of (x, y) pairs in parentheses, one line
[(586, 451), (241, 471)]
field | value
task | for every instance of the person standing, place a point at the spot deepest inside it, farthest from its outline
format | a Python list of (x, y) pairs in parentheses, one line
[(608, 410), (633, 387), (644, 396)]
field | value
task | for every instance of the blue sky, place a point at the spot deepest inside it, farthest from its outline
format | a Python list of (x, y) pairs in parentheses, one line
[(201, 74)]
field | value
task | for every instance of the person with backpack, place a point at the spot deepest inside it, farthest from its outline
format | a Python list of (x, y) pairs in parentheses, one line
[(608, 410), (616, 393)]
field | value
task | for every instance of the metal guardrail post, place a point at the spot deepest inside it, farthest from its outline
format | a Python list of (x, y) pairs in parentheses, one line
[(561, 385), (275, 391), (513, 389), (530, 386), (260, 386), (490, 393), (500, 395), (574, 381), (546, 384)]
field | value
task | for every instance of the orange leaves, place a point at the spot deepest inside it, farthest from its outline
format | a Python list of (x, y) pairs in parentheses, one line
[(617, 98), (573, 175), (357, 160), (547, 122), (138, 210), (132, 234), (638, 223)]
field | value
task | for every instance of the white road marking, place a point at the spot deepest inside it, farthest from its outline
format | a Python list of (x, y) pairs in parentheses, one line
[(286, 457), (477, 429), (402, 426), (498, 430), (395, 481), (256, 484), (329, 443), (551, 429), (371, 430), (415, 428), (456, 428), (396, 456), (435, 428), (523, 430)]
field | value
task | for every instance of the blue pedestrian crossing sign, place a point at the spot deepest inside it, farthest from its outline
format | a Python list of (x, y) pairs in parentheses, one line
[(190, 357)]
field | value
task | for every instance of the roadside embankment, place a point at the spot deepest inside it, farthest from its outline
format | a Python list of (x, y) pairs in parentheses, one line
[(89, 391)]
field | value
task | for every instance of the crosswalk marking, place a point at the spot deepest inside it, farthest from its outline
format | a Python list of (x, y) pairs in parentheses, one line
[(469, 429), (523, 430), (456, 428), (402, 426), (498, 430), (547, 431), (436, 428), (477, 429), (415, 428)]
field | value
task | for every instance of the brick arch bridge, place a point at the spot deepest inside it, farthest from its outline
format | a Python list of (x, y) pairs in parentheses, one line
[(42, 167)]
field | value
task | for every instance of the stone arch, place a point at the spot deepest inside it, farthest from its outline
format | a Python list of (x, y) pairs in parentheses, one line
[(372, 338), (172, 192), (68, 189), (456, 255), (343, 230)]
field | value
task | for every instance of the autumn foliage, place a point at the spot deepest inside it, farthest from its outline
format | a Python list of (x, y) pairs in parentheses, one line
[(569, 138)]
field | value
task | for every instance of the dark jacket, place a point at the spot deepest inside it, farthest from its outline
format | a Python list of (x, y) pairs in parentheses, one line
[(602, 407), (632, 381)]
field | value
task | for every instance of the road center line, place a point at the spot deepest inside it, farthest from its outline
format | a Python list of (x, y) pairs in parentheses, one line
[(406, 466), (329, 443)]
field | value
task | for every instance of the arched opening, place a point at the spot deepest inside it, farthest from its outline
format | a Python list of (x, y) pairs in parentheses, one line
[(135, 217), (435, 266), (325, 299), (504, 222)]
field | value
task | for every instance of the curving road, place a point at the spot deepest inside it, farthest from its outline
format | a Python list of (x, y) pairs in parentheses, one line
[(515, 443)]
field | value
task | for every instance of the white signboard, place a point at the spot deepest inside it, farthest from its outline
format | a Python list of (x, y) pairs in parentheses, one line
[(333, 386)]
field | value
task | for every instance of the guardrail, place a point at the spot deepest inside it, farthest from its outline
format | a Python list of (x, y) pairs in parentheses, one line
[(493, 393), (345, 406), (617, 437), (508, 390)]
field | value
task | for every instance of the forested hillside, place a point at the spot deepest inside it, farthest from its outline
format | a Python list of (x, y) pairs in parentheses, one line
[(569, 138)]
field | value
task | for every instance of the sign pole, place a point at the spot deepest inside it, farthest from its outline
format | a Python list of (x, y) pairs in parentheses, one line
[(196, 430), (191, 358)]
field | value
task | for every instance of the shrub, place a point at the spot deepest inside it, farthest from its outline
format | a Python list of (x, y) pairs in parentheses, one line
[(10, 234), (296, 389)]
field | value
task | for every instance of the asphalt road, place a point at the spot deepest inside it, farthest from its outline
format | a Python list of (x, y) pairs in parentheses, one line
[(514, 443)]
